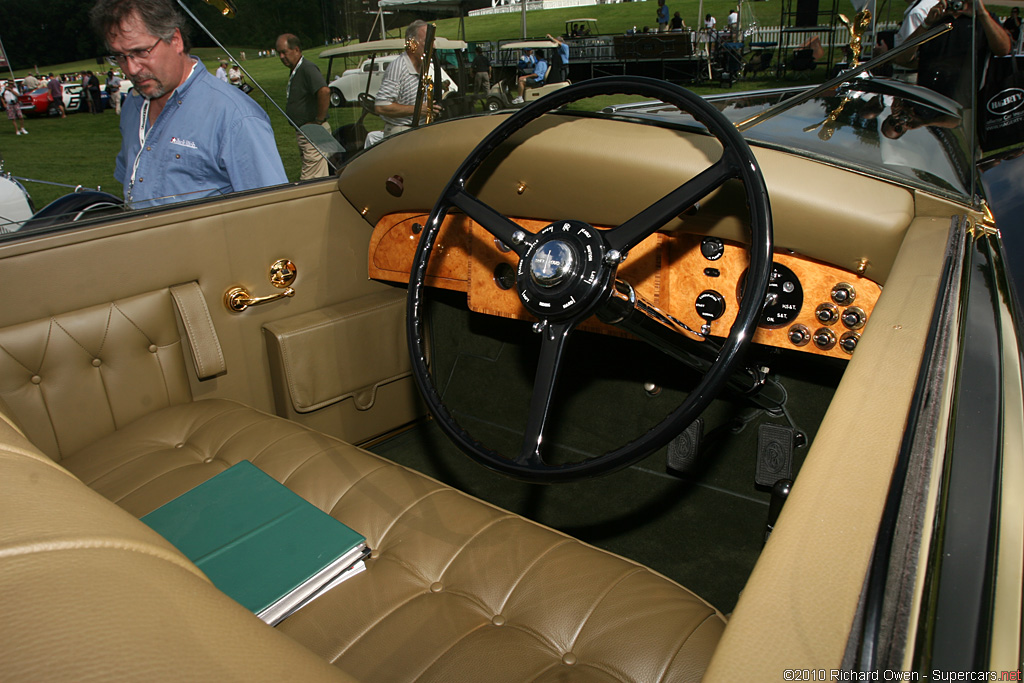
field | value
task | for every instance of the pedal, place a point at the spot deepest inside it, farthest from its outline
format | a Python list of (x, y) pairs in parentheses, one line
[(774, 453), (685, 448)]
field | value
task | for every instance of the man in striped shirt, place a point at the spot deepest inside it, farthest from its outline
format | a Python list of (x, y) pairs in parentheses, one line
[(396, 98)]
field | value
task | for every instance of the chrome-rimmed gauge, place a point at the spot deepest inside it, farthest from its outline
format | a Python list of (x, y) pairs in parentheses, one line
[(784, 299)]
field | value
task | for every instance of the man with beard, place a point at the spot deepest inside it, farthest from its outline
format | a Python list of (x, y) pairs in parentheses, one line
[(185, 134)]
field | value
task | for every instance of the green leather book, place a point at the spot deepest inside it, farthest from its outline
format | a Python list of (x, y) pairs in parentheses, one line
[(259, 542)]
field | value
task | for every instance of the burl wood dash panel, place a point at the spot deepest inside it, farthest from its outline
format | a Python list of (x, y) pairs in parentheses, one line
[(669, 271)]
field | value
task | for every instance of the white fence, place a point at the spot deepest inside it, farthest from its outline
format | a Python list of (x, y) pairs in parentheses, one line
[(840, 35)]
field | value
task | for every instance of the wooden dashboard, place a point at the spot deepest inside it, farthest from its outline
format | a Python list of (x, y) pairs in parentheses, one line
[(812, 306)]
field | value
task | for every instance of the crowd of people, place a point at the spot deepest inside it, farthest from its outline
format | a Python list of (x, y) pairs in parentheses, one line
[(91, 90)]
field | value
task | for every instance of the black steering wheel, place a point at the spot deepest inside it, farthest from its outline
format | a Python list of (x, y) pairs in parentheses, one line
[(566, 273)]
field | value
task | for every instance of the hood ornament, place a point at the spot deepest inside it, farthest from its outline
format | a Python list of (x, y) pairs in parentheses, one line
[(861, 22)]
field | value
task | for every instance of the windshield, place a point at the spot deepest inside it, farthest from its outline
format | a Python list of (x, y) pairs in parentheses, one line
[(934, 93), (924, 117)]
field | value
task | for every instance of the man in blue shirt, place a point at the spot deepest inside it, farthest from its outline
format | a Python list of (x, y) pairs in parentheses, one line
[(534, 80), (662, 16), (559, 60), (185, 134)]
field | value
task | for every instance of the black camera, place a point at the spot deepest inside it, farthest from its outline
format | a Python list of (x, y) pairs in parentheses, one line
[(955, 5)]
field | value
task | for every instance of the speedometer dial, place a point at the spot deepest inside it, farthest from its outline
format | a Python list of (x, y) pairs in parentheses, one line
[(784, 299)]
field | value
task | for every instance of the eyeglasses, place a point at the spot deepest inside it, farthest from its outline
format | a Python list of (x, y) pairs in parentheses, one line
[(138, 55)]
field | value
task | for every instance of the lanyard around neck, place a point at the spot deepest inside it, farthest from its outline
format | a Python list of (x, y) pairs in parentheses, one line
[(144, 130), (288, 90)]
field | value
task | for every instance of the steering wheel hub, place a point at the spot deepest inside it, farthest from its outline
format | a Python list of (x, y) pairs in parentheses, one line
[(552, 263), (562, 271)]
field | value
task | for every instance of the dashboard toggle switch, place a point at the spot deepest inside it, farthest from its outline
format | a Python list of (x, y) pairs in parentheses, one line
[(854, 318), (827, 314), (844, 294), (824, 338)]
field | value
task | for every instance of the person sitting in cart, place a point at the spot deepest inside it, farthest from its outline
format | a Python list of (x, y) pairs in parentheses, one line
[(533, 80), (527, 62)]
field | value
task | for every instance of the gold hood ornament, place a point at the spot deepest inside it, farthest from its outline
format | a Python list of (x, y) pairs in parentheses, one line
[(861, 22)]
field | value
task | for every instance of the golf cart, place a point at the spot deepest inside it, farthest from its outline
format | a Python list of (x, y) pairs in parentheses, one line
[(360, 85), (367, 77), (504, 90), (15, 202), (581, 28)]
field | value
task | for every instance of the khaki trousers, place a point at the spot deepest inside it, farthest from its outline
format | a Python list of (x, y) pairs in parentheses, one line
[(314, 165)]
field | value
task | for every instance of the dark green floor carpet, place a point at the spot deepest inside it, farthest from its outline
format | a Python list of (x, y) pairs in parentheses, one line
[(705, 530)]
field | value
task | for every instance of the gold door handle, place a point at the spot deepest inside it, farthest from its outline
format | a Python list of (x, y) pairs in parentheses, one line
[(238, 299), (282, 274)]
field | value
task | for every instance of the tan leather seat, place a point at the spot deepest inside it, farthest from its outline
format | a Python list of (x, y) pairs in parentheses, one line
[(455, 590), (91, 593)]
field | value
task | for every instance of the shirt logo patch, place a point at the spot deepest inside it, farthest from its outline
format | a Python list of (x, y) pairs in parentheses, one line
[(183, 142)]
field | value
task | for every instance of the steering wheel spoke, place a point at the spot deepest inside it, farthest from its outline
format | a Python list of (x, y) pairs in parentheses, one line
[(654, 217), (552, 348), (492, 221)]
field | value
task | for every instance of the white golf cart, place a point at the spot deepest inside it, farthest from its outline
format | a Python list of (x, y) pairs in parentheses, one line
[(504, 90), (366, 78), (360, 85)]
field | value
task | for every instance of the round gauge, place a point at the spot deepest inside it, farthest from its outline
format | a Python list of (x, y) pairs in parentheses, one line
[(710, 304), (784, 299), (712, 248)]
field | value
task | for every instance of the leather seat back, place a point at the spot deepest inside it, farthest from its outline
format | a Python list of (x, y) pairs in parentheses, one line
[(72, 378)]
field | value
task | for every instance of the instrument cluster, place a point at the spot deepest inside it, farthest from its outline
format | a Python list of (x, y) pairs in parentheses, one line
[(809, 305)]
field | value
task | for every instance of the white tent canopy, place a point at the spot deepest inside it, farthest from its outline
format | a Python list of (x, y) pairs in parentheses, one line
[(446, 6)]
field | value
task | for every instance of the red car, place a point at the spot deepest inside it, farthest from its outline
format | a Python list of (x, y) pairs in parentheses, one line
[(36, 101), (39, 102)]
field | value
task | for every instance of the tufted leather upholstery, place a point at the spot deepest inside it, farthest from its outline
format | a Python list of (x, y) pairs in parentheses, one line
[(90, 593), (72, 378), (455, 589)]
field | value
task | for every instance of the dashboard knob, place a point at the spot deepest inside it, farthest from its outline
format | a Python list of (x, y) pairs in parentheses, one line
[(712, 248), (826, 313), (710, 304), (824, 338), (844, 293), (848, 342), (854, 318), (799, 335)]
